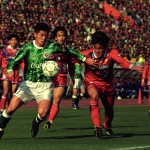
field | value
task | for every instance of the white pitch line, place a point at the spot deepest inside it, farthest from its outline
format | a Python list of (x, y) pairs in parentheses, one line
[(132, 148)]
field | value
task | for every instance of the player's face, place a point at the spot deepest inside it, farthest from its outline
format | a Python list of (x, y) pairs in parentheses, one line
[(13, 42), (60, 37), (98, 50), (40, 38)]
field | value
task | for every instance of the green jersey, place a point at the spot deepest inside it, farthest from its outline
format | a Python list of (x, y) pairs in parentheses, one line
[(34, 57), (78, 70)]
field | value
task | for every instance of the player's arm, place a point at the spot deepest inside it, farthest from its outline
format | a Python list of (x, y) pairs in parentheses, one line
[(19, 56), (83, 58), (55, 47), (144, 74), (124, 63)]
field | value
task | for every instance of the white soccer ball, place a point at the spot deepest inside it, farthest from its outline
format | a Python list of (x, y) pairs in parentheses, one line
[(50, 68)]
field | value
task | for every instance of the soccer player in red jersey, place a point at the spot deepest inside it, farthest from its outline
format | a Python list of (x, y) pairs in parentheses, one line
[(99, 80), (146, 75), (6, 54), (60, 82)]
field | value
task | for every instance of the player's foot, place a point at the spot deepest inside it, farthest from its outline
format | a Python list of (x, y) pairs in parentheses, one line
[(98, 132), (108, 131), (149, 112), (47, 125), (35, 128), (1, 132), (75, 106)]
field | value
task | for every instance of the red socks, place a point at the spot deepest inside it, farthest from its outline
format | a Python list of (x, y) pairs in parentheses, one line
[(95, 113), (53, 112)]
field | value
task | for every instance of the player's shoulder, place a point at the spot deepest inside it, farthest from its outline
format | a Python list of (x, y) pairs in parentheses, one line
[(113, 51), (87, 52)]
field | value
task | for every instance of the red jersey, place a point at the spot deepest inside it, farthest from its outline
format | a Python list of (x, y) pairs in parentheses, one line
[(103, 75), (62, 60), (146, 71), (6, 55)]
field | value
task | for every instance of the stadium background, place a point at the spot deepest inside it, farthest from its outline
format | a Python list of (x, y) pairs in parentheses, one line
[(126, 22)]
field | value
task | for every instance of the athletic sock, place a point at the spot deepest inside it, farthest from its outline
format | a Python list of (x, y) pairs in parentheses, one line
[(4, 119), (95, 113), (75, 99), (38, 119), (53, 113)]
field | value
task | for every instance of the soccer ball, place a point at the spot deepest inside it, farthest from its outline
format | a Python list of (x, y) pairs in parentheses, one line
[(50, 68)]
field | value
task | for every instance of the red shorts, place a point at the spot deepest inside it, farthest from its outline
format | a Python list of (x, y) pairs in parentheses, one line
[(102, 87), (60, 81), (14, 79)]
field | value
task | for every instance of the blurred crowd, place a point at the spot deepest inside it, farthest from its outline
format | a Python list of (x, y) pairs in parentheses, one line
[(82, 18)]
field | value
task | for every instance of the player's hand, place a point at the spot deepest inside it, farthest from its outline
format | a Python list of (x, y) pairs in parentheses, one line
[(91, 62), (142, 82), (138, 68), (52, 57), (10, 73)]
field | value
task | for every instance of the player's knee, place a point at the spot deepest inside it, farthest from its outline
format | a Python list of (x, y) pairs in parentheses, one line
[(42, 113), (94, 96)]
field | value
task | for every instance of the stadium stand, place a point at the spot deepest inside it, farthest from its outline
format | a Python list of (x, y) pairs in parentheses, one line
[(129, 31)]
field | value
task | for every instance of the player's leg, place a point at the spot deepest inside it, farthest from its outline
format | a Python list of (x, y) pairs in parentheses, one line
[(14, 87), (43, 108), (94, 109), (43, 93), (5, 117), (108, 102), (149, 99), (54, 110), (4, 97), (75, 98)]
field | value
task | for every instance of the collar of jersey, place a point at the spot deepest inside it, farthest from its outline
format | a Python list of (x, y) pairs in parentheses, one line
[(36, 45)]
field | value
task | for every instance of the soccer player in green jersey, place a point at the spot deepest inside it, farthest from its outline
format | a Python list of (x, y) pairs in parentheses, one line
[(35, 85)]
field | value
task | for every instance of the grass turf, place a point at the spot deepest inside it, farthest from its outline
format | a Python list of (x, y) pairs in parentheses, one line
[(73, 130)]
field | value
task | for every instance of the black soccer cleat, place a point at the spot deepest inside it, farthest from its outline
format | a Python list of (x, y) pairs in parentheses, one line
[(47, 125), (1, 133), (98, 132), (35, 128), (75, 106), (108, 131)]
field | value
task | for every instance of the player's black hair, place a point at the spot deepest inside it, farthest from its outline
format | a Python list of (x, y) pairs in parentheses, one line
[(100, 37), (41, 26), (10, 36), (57, 29)]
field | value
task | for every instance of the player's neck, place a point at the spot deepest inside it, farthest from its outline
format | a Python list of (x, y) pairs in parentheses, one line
[(12, 47)]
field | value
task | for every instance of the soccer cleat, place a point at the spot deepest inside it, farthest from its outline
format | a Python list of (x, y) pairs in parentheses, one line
[(108, 131), (1, 133), (98, 132), (35, 128), (75, 106), (47, 125)]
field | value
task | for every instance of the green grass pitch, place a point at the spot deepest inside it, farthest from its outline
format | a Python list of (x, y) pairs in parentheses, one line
[(73, 130)]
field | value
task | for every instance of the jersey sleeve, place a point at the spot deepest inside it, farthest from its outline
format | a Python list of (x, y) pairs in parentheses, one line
[(120, 60), (19, 56)]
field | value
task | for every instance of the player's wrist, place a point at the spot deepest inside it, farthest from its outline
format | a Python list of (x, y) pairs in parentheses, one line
[(84, 59), (131, 66)]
